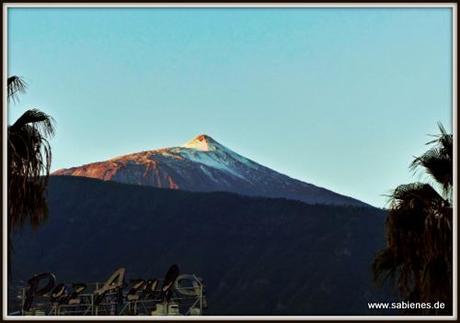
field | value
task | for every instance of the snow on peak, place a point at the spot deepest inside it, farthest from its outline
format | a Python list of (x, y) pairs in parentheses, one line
[(202, 142)]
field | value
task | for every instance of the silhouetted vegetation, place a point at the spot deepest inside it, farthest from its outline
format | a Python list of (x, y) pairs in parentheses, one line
[(418, 256), (29, 162)]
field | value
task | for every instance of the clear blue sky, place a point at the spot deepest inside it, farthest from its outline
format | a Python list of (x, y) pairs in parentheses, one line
[(341, 98)]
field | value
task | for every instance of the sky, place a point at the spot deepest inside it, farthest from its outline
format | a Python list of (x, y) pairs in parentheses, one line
[(340, 98)]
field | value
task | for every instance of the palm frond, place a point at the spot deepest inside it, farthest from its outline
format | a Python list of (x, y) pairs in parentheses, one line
[(15, 85), (416, 196), (29, 163), (40, 120), (418, 232), (438, 161), (384, 266)]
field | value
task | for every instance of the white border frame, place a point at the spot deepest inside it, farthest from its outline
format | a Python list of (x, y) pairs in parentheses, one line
[(453, 6)]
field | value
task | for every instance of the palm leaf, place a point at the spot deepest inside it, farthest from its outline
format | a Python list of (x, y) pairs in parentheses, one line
[(29, 162), (438, 161), (15, 85), (38, 119)]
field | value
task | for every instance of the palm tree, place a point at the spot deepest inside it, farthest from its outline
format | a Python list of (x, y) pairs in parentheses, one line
[(29, 162), (418, 255)]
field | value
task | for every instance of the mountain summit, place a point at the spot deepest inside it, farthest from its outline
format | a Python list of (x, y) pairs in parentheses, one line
[(203, 143), (202, 164)]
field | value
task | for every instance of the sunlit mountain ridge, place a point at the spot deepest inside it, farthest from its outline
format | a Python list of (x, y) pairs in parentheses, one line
[(204, 165)]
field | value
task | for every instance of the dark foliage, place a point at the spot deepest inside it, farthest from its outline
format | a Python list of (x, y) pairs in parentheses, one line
[(418, 256), (29, 162)]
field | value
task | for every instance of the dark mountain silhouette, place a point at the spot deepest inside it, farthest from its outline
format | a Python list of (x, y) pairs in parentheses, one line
[(204, 165), (256, 255)]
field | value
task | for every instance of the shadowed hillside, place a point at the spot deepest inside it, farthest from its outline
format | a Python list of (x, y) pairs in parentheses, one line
[(256, 255)]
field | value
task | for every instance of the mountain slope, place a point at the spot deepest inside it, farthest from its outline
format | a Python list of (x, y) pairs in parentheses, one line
[(204, 165), (257, 255)]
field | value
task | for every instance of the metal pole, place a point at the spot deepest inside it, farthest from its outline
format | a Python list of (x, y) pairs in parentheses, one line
[(201, 298), (23, 301)]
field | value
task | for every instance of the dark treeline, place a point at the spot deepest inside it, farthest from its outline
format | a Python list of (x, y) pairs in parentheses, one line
[(256, 255)]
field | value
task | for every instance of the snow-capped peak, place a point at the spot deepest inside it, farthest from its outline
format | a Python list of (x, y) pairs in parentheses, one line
[(203, 143), (203, 164)]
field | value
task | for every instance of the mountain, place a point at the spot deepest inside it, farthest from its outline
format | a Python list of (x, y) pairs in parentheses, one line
[(256, 255), (204, 165)]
